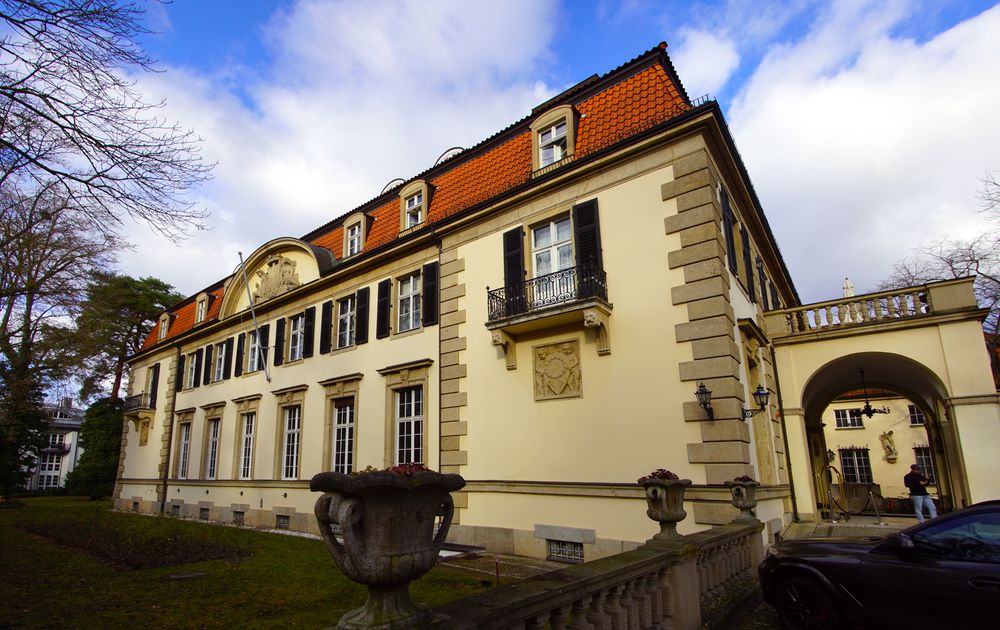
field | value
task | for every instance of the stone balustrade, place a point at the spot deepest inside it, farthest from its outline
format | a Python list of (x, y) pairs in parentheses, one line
[(663, 584)]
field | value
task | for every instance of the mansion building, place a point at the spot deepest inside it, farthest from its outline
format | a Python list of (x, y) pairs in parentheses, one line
[(534, 313)]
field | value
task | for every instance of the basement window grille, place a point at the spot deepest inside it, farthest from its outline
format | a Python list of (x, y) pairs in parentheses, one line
[(203, 514), (565, 551), (282, 521), (238, 518), (175, 510)]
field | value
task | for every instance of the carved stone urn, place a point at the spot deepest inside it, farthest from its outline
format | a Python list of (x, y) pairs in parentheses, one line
[(665, 504), (744, 499), (386, 520)]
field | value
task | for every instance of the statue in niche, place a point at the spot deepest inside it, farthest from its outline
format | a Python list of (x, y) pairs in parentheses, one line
[(277, 276), (557, 370), (144, 433), (889, 446)]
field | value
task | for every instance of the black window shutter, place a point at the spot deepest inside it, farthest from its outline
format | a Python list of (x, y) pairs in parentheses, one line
[(154, 385), (774, 296), (197, 367), (279, 341), (361, 329), (209, 368), (308, 329), (763, 282), (727, 229), (238, 367), (263, 335), (179, 377), (382, 309), (325, 326), (747, 262), (587, 233), (227, 366), (431, 294), (513, 271)]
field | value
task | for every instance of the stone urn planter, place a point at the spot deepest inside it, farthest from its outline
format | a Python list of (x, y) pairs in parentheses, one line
[(665, 501), (744, 491), (386, 520)]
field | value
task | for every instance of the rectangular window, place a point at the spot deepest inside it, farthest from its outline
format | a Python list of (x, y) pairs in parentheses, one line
[(916, 416), (415, 210), (353, 239), (203, 514), (565, 551), (212, 450), (239, 517), (552, 144), (185, 452), (848, 418), (48, 481), (246, 446), (191, 380), (282, 521), (220, 362), (923, 457), (253, 353), (291, 442), (199, 311), (855, 465), (409, 425), (50, 462), (409, 302), (552, 252), (57, 439), (296, 336), (346, 321), (343, 436)]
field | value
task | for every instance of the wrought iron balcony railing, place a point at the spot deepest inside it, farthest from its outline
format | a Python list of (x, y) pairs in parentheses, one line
[(561, 287), (136, 402)]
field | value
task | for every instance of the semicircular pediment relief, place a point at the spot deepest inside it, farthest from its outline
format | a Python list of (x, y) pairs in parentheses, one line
[(276, 268)]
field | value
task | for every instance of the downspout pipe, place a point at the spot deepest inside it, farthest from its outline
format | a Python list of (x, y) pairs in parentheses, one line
[(784, 436), (170, 433)]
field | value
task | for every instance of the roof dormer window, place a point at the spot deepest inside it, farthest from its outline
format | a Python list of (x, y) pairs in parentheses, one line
[(164, 326), (355, 233), (414, 201), (553, 137), (200, 308), (353, 239)]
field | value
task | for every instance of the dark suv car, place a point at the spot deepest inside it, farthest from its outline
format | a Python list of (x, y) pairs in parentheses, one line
[(943, 573)]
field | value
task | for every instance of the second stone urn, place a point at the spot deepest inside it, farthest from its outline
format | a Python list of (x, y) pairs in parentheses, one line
[(744, 492), (665, 501), (386, 520)]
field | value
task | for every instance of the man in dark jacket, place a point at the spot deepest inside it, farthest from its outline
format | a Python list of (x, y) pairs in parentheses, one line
[(917, 482)]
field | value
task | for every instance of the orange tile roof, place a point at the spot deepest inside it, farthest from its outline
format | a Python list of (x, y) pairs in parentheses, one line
[(628, 100)]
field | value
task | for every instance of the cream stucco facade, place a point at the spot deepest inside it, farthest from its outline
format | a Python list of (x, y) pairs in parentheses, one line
[(541, 332)]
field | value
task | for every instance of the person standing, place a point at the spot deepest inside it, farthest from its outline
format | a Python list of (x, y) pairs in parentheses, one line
[(917, 483)]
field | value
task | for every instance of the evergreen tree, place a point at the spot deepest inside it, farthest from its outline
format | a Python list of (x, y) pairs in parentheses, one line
[(100, 439), (22, 426)]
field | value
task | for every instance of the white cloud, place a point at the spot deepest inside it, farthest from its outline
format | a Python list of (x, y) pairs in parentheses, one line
[(360, 93), (863, 146), (705, 61)]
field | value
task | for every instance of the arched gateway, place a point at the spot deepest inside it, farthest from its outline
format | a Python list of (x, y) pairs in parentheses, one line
[(924, 343)]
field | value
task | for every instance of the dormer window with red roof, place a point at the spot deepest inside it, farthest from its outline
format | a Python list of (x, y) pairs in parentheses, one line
[(553, 137), (353, 239), (355, 233), (415, 210), (414, 199), (200, 308), (164, 327)]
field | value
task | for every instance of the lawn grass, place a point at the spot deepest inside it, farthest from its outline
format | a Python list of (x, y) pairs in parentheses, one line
[(249, 579)]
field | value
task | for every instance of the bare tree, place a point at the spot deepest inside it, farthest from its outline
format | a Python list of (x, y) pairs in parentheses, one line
[(70, 120)]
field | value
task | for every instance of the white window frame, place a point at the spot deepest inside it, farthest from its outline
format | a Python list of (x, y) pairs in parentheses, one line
[(408, 302), (291, 441), (253, 363), (220, 361), (553, 143), (848, 419), (57, 439), (246, 444), (296, 336), (924, 457), (347, 312), (191, 367), (554, 246), (342, 460), (415, 209), (200, 309), (212, 449), (856, 465), (917, 417), (409, 423), (353, 239), (184, 456)]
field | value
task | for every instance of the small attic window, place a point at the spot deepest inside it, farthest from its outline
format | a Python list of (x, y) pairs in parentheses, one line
[(414, 201), (165, 320), (355, 233), (200, 308), (553, 137)]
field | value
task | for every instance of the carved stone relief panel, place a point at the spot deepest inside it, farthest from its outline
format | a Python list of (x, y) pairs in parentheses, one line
[(277, 276), (557, 370)]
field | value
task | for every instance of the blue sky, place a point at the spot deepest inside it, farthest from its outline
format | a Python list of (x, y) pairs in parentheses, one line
[(864, 125)]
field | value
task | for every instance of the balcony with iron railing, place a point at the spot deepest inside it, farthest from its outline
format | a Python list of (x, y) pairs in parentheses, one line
[(138, 402), (574, 295)]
